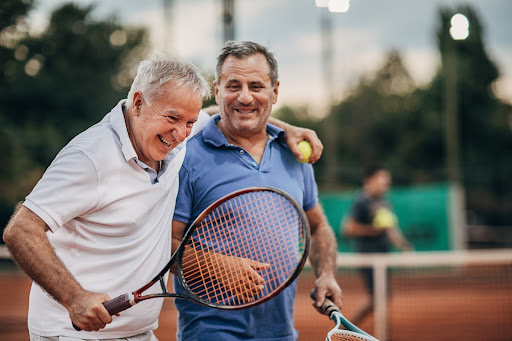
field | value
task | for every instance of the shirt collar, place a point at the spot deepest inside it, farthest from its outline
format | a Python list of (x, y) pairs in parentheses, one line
[(213, 135), (119, 126)]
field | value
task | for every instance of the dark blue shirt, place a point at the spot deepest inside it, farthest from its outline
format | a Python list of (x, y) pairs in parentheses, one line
[(363, 212)]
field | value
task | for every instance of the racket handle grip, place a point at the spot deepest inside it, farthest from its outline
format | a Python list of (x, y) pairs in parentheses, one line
[(119, 304), (328, 307), (116, 305)]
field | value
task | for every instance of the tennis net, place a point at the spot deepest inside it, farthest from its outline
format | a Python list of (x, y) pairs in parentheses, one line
[(459, 295)]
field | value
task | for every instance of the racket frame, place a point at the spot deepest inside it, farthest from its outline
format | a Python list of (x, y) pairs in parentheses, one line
[(136, 296)]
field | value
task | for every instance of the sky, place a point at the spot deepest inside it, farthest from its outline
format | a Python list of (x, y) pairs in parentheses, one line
[(291, 29)]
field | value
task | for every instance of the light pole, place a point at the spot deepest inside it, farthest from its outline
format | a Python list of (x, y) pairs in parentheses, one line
[(459, 30), (168, 12), (228, 15), (328, 70)]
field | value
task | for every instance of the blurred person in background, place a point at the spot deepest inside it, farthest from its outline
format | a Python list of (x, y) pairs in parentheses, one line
[(98, 223), (374, 228)]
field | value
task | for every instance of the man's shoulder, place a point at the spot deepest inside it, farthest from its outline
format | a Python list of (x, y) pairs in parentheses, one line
[(97, 142), (362, 200), (99, 135)]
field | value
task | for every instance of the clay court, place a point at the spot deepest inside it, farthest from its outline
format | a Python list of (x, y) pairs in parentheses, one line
[(474, 311)]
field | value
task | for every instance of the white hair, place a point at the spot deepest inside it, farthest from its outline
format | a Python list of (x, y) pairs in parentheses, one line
[(162, 68)]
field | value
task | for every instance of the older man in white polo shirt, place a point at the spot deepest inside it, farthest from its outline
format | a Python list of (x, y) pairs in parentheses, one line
[(98, 223)]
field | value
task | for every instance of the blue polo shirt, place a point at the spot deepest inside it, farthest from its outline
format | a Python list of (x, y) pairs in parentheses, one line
[(213, 168)]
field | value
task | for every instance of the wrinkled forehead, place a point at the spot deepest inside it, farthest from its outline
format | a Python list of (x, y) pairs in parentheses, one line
[(253, 68)]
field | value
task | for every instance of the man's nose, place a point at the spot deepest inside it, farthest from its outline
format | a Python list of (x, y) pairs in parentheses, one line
[(245, 96), (181, 132)]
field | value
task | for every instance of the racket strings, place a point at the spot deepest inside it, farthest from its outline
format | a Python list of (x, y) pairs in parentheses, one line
[(247, 291), (345, 335), (260, 226)]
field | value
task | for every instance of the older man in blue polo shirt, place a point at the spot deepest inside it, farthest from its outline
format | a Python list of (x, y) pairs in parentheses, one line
[(238, 149)]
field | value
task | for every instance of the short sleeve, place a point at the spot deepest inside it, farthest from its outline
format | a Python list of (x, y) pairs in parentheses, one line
[(184, 200), (68, 189), (310, 188)]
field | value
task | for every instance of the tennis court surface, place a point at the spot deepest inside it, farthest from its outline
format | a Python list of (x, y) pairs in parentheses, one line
[(467, 298)]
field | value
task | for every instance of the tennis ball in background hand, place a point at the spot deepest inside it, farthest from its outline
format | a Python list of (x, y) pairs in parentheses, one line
[(384, 219), (305, 149)]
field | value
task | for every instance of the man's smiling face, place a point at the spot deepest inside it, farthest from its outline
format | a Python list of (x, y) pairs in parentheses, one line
[(245, 94)]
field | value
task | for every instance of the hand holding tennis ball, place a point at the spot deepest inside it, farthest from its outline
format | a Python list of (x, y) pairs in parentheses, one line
[(384, 219), (306, 150)]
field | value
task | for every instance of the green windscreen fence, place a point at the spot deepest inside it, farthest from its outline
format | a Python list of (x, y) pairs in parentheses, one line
[(423, 214)]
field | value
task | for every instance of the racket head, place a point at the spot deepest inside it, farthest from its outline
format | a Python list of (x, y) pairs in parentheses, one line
[(347, 335), (260, 224)]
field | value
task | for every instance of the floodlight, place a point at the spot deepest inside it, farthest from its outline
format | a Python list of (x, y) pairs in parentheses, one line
[(340, 6), (460, 27), (322, 3)]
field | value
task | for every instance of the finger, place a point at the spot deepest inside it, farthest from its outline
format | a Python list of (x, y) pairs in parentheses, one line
[(258, 265), (105, 317), (316, 146), (320, 297), (338, 300), (97, 323), (103, 313), (293, 144), (242, 292), (256, 277), (252, 289)]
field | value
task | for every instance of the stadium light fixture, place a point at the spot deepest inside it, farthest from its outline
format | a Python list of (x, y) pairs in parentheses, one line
[(322, 3), (339, 6), (460, 27)]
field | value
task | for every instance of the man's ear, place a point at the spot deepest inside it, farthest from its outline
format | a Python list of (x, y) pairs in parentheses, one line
[(276, 91), (216, 91), (136, 103)]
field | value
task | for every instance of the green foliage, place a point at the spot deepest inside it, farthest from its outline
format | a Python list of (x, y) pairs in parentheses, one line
[(387, 119), (55, 85)]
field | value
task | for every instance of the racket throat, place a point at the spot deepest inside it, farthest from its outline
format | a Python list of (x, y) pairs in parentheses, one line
[(132, 298), (337, 319)]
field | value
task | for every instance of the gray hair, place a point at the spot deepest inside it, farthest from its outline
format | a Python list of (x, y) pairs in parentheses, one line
[(162, 68), (244, 49)]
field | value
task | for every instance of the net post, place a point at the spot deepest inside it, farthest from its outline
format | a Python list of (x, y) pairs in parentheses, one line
[(380, 289), (456, 219)]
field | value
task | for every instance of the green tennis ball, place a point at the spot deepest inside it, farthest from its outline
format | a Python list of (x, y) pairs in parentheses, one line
[(305, 150)]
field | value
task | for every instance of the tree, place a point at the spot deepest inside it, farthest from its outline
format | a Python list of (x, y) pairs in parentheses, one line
[(484, 133), (387, 119), (382, 121), (56, 85)]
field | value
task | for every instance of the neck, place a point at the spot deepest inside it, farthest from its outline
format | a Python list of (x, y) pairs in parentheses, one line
[(253, 143), (240, 138)]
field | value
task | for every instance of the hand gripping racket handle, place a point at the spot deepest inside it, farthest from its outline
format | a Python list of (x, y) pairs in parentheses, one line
[(328, 306), (331, 309), (116, 305), (119, 304)]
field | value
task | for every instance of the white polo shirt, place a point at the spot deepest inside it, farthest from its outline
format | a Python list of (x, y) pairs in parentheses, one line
[(110, 221)]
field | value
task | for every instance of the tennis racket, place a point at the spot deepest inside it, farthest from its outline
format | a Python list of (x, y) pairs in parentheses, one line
[(351, 333), (241, 251)]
